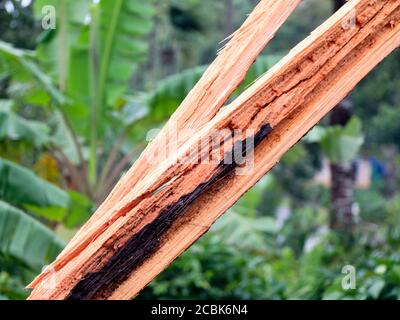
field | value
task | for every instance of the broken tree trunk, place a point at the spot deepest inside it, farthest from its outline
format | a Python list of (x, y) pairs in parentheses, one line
[(222, 77), (219, 81), (163, 212)]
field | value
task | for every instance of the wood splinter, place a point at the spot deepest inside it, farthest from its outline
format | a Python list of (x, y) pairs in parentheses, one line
[(159, 209)]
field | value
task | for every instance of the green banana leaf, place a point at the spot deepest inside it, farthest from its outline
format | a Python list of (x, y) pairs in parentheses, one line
[(14, 127), (25, 239), (108, 50), (102, 59), (24, 69), (242, 226), (20, 186), (342, 144), (123, 24), (246, 232)]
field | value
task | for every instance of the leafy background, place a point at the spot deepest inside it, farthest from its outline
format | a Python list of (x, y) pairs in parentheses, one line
[(76, 103)]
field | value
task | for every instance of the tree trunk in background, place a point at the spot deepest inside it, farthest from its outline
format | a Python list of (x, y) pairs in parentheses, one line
[(342, 179), (342, 197), (229, 14), (342, 175)]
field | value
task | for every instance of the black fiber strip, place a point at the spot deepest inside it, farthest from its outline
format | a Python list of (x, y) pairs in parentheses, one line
[(143, 244)]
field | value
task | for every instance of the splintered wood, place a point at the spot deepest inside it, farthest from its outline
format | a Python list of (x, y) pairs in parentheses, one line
[(160, 208)]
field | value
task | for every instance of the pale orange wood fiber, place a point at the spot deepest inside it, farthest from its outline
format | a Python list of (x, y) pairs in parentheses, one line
[(315, 75), (210, 93), (219, 81)]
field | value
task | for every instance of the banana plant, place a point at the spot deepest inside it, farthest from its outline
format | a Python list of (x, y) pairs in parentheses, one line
[(14, 127), (91, 58), (82, 70), (22, 188), (26, 244), (25, 239), (27, 203), (339, 144)]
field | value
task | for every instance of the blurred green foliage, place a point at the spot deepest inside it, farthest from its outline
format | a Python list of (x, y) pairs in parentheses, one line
[(300, 260)]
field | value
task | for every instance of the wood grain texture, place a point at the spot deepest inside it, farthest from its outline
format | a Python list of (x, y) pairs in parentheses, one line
[(219, 81), (290, 99)]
